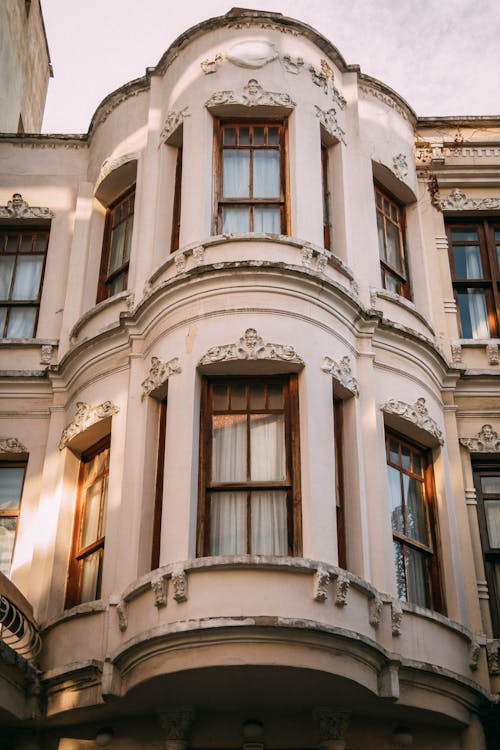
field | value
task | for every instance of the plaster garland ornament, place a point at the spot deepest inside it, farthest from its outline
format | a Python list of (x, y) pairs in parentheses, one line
[(331, 724), (252, 95), (458, 201), (492, 353), (474, 654), (180, 585), (251, 346), (341, 590), (210, 66), (319, 78), (493, 656), (159, 373), (173, 119), (84, 418), (342, 373), (292, 65), (159, 586), (177, 722), (486, 441), (416, 413), (321, 581), (400, 166), (18, 208), (375, 609), (12, 445), (328, 119), (252, 54)]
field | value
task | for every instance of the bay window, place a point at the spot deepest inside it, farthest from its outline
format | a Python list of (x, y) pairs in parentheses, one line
[(390, 228), (249, 471)]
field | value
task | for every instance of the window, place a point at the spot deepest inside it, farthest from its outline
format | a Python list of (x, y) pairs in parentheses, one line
[(84, 577), (487, 484), (11, 488), (249, 473), (251, 184), (113, 276), (158, 506), (474, 250), (390, 227), (22, 263), (339, 481), (327, 226), (414, 532), (176, 214)]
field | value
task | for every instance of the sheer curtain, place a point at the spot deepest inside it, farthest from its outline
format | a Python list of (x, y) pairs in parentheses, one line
[(228, 520), (476, 303)]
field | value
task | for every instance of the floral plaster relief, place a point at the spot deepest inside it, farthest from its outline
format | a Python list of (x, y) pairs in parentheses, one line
[(250, 346), (415, 413), (85, 417), (252, 95), (486, 441), (18, 208)]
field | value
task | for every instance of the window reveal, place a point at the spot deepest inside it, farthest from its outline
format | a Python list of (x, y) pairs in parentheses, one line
[(11, 487), (390, 228), (115, 258)]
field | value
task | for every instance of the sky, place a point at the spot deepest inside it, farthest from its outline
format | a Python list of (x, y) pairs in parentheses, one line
[(442, 56)]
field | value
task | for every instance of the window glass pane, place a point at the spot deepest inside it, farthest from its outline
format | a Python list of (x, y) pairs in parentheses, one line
[(464, 235), (386, 207), (275, 396), (258, 137), (496, 578), (394, 213), (273, 138), (220, 397), (21, 323), (267, 219), (416, 577), (229, 448), (396, 499), (228, 523), (268, 523), (473, 314), (394, 452), (118, 284), (490, 485), (3, 318), (257, 396), (11, 485), (40, 243), (28, 276), (267, 447), (266, 173), (380, 231), (26, 243), (230, 136), (393, 246), (128, 240), (236, 174), (117, 247), (399, 563), (90, 576), (7, 536), (235, 219), (468, 262), (90, 521), (417, 464), (238, 396), (416, 527), (6, 268), (405, 457), (492, 512), (244, 137), (12, 243)]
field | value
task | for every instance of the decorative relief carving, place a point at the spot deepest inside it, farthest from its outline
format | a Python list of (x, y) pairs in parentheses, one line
[(199, 255), (486, 441), (319, 78), (177, 722), (456, 352), (341, 591), (400, 166), (252, 54), (263, 25), (474, 654), (329, 121), (159, 373), (368, 90), (251, 346), (180, 585), (210, 66), (173, 119), (331, 725), (292, 65), (492, 353), (180, 261), (85, 417), (321, 262), (396, 617), (458, 201), (253, 94), (321, 581), (18, 208), (159, 586), (375, 609), (307, 257), (12, 445), (121, 613), (45, 354), (415, 413), (493, 656), (341, 372)]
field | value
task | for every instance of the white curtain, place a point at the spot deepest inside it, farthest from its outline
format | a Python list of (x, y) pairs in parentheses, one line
[(236, 174), (269, 529), (267, 219), (416, 577), (235, 219), (28, 275), (21, 323), (415, 517), (228, 523), (6, 267), (476, 303), (266, 173)]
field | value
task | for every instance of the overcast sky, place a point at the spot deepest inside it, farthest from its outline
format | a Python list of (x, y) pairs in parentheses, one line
[(442, 56)]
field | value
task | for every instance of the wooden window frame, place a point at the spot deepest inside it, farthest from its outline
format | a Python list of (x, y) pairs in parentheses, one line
[(77, 555), (401, 276), (489, 258), (14, 512), (435, 598), (220, 201), (8, 303), (327, 209), (158, 503), (104, 289), (491, 555), (292, 453)]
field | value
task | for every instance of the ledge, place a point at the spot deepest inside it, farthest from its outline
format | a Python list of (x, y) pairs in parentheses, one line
[(81, 610)]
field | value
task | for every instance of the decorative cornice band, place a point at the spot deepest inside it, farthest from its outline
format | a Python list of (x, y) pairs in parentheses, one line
[(251, 346), (85, 417), (341, 373), (18, 208), (486, 441), (159, 373), (415, 413), (252, 95)]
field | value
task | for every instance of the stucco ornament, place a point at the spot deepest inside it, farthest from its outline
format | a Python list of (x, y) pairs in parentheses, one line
[(492, 353), (159, 373), (85, 417), (173, 119), (292, 65), (252, 95), (209, 66), (415, 413), (250, 346), (458, 201), (396, 617), (321, 581), (329, 121), (341, 372), (341, 591), (332, 725), (474, 654), (493, 656), (159, 586), (375, 609), (180, 585), (109, 165), (252, 54), (486, 441), (456, 352), (45, 354), (11, 445), (18, 208), (400, 166)]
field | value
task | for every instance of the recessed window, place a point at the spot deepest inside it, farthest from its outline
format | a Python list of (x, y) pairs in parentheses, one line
[(327, 223), (249, 493), (251, 177), (474, 251), (85, 570), (11, 488), (413, 521), (487, 484), (116, 248), (22, 263), (176, 213), (390, 228)]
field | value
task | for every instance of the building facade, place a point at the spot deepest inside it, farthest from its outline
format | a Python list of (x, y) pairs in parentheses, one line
[(250, 463)]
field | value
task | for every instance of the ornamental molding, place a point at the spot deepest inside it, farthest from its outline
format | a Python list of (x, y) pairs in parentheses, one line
[(474, 654), (458, 201), (321, 581), (385, 98), (341, 372), (12, 445), (110, 165), (396, 617), (159, 586), (375, 609), (85, 417), (493, 656), (159, 373), (324, 78), (209, 66), (400, 166), (252, 95), (492, 353), (331, 724), (486, 441), (292, 65), (416, 413), (173, 120), (18, 208), (252, 54), (328, 119), (263, 25), (251, 346)]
